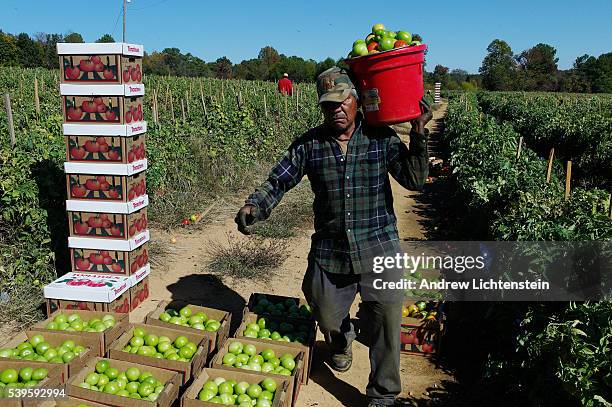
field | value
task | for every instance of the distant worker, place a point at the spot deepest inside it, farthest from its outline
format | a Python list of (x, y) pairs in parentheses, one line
[(285, 86)]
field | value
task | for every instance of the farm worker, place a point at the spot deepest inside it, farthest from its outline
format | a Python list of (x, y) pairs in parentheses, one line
[(347, 163), (285, 86)]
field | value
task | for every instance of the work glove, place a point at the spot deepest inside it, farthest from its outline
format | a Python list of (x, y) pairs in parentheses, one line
[(246, 216), (418, 124)]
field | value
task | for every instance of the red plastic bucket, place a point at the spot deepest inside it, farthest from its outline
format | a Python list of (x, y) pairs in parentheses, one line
[(390, 84)]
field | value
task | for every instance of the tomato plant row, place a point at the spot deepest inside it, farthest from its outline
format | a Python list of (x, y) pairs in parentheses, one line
[(579, 128), (512, 193)]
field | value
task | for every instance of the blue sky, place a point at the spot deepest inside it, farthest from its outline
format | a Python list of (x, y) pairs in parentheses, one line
[(457, 32)]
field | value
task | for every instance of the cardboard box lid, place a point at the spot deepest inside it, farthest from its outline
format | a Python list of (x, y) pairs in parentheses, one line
[(75, 242), (140, 274), (135, 89), (72, 287), (106, 169), (91, 205), (116, 130), (135, 50)]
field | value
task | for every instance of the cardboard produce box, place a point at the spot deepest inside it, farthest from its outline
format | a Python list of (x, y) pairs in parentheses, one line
[(120, 188), (106, 130), (282, 396), (55, 339), (166, 398), (422, 336), (91, 292), (139, 292), (187, 370), (107, 225), (77, 242), (105, 338), (297, 375), (114, 262), (307, 348), (107, 169), (52, 383), (106, 149), (275, 299), (102, 110), (217, 338), (70, 402), (106, 63)]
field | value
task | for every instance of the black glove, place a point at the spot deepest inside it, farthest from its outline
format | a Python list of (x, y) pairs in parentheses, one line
[(418, 124), (246, 216)]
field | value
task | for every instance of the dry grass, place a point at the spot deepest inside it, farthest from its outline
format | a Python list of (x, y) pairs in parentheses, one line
[(252, 258)]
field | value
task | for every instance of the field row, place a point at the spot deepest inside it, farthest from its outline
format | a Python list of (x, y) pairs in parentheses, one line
[(578, 128)]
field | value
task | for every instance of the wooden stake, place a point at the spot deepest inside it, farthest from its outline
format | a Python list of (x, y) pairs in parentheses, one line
[(187, 102), (551, 157), (610, 205), (568, 178), (183, 110), (286, 112), (265, 106), (239, 99), (203, 102), (36, 99), (9, 116), (520, 147), (172, 108)]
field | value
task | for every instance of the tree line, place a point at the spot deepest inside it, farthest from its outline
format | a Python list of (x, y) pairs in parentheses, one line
[(534, 69)]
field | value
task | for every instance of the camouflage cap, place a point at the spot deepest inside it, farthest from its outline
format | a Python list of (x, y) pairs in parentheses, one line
[(334, 85)]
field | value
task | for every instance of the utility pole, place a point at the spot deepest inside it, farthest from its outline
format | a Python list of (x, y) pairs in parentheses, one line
[(124, 8)]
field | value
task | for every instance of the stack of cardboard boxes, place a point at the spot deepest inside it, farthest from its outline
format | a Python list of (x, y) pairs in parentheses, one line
[(102, 97)]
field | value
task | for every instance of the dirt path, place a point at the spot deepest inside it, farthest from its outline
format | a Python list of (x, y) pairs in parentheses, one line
[(184, 276)]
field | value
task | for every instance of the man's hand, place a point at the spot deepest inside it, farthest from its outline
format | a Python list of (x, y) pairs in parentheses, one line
[(246, 216), (418, 124)]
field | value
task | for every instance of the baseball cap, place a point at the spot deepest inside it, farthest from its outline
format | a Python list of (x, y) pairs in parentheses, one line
[(285, 74), (334, 85)]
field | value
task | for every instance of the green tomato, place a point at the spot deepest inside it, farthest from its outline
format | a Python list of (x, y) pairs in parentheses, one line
[(39, 373)]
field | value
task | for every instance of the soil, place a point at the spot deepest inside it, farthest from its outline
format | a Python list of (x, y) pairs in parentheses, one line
[(182, 275)]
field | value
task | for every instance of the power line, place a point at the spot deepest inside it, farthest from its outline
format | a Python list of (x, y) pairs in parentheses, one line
[(117, 20)]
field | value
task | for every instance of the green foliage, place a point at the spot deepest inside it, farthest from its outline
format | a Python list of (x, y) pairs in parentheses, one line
[(74, 37), (106, 38), (499, 70), (536, 354), (9, 54), (578, 128), (509, 195), (575, 343)]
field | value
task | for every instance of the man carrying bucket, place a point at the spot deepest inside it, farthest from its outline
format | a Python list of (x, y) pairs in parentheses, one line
[(347, 163)]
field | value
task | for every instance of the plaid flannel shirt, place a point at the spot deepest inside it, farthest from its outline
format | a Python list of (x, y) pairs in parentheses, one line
[(353, 203)]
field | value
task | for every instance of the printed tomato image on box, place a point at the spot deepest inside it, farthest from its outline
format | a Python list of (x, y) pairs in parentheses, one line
[(139, 293), (102, 109), (107, 225), (103, 63), (131, 70), (105, 187), (90, 68), (100, 149), (109, 261)]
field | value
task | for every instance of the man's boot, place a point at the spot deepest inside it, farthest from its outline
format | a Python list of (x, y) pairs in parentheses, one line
[(342, 361)]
